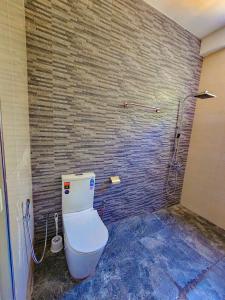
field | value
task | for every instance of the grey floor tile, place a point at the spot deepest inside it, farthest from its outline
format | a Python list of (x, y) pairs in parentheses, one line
[(212, 286), (167, 255), (174, 256)]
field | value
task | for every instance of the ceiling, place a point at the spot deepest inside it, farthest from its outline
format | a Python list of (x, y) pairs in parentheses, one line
[(200, 17)]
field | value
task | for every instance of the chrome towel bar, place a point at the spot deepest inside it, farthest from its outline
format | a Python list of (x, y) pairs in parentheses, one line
[(153, 108)]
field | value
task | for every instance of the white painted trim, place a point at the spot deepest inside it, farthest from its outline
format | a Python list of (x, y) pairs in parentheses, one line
[(213, 42)]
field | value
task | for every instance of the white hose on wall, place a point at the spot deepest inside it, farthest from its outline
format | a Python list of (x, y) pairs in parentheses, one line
[(26, 221)]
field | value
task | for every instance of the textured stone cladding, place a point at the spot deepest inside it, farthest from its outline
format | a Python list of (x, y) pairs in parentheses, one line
[(85, 58)]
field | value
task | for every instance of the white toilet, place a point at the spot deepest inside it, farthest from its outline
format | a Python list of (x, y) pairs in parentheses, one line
[(85, 235)]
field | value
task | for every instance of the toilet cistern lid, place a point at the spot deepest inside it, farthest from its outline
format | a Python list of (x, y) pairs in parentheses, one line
[(85, 231)]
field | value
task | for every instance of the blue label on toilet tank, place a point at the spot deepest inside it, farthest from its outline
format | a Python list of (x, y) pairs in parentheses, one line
[(92, 183)]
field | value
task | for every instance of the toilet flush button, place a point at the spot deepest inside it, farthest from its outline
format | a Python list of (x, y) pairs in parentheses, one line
[(66, 185), (92, 183)]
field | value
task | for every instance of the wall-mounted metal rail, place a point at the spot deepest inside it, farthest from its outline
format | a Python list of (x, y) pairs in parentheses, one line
[(153, 108)]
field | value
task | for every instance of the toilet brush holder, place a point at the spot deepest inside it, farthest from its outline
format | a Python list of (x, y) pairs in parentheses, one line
[(56, 244)]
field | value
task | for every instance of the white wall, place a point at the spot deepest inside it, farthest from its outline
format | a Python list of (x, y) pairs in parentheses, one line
[(14, 103), (213, 42), (204, 181)]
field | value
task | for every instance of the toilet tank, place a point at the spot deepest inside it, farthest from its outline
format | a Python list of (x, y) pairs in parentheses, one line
[(77, 192)]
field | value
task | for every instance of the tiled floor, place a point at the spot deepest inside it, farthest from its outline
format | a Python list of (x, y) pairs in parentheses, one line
[(171, 254)]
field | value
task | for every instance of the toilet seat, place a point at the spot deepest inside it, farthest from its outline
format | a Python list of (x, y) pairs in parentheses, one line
[(85, 232)]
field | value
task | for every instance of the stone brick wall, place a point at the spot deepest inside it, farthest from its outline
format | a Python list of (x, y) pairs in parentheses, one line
[(85, 58)]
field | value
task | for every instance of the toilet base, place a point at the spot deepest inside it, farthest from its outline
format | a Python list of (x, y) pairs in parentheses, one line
[(81, 265)]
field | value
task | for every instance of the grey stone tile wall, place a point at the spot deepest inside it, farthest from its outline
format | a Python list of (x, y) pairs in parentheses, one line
[(85, 58)]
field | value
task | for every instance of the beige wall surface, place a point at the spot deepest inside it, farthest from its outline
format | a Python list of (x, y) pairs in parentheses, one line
[(14, 105), (204, 183)]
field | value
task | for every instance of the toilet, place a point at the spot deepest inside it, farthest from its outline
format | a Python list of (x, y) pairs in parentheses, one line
[(85, 235)]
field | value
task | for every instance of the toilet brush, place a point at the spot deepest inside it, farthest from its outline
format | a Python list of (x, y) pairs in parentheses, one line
[(56, 244)]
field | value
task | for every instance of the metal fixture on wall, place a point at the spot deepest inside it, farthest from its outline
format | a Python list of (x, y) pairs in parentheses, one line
[(175, 165), (114, 179), (153, 108), (205, 95), (26, 224)]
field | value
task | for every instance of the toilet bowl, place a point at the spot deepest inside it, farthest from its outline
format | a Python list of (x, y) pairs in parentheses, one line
[(85, 235)]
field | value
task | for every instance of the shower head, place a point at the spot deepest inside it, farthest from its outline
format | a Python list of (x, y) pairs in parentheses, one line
[(204, 95)]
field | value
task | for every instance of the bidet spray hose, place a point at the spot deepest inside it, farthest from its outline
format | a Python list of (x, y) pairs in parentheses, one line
[(26, 219), (35, 259)]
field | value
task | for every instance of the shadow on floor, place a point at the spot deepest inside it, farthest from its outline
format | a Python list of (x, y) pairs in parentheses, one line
[(52, 277)]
